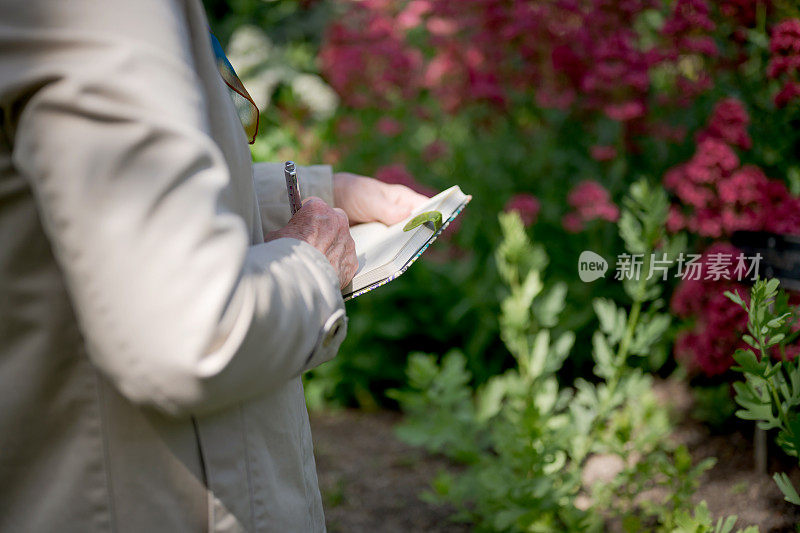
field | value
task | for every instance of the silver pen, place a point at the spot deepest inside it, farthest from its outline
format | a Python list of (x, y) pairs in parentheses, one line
[(292, 186)]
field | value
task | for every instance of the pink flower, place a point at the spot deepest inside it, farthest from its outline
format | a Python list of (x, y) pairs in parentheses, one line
[(366, 59), (742, 11), (708, 345), (789, 92), (526, 205), (785, 60), (592, 201), (689, 30), (347, 126), (603, 152), (728, 122), (435, 150), (715, 196), (389, 127), (785, 48), (572, 223), (398, 174), (412, 15)]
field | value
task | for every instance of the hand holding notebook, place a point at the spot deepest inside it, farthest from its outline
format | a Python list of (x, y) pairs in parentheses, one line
[(385, 252)]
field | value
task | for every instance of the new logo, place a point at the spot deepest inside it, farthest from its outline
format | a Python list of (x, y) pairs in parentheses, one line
[(591, 266)]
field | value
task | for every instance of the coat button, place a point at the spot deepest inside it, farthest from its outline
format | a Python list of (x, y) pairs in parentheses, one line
[(334, 327)]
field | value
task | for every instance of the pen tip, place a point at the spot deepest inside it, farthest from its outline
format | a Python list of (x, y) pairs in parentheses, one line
[(289, 166)]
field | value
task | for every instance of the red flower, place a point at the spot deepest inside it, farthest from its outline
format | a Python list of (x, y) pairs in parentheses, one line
[(789, 92), (590, 201), (366, 59), (603, 152), (728, 123), (785, 60), (398, 174), (526, 205), (389, 127), (717, 197), (785, 48), (689, 26), (708, 345)]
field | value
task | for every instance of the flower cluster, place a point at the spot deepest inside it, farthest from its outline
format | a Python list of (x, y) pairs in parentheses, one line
[(785, 61), (366, 58), (728, 123), (688, 31), (716, 196), (487, 50), (589, 201), (526, 205), (690, 26), (709, 344), (743, 12)]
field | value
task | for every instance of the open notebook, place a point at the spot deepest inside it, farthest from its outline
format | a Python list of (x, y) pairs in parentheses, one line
[(385, 252)]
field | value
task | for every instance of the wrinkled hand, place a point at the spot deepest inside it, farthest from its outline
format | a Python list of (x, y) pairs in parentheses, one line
[(326, 229), (369, 200)]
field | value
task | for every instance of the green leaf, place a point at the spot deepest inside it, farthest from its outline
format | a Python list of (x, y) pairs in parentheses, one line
[(788, 490), (538, 355), (429, 216), (749, 363), (735, 298), (602, 355)]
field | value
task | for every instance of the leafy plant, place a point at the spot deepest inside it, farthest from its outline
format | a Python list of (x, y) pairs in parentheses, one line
[(525, 438), (700, 522), (770, 394)]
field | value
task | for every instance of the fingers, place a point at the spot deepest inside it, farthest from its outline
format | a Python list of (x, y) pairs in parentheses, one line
[(400, 202), (328, 230)]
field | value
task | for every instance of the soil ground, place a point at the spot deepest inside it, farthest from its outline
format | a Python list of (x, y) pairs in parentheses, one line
[(371, 482)]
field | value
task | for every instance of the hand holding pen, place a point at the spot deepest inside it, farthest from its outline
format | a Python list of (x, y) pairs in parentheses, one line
[(320, 225), (292, 186)]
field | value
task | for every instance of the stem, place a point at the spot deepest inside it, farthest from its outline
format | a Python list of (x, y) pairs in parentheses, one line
[(633, 321), (778, 405), (772, 390), (622, 351)]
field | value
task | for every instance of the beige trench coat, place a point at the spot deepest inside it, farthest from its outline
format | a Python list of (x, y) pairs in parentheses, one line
[(150, 342)]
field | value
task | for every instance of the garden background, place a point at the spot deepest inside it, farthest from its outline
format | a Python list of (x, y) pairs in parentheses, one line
[(548, 403)]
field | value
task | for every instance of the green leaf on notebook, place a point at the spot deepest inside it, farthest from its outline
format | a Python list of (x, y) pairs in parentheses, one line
[(427, 216)]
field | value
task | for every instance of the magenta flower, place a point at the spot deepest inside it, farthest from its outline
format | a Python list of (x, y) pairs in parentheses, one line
[(787, 94), (785, 48), (526, 205), (785, 60), (728, 123), (589, 201), (398, 174), (366, 59), (389, 127), (708, 346), (592, 201), (689, 26), (603, 152)]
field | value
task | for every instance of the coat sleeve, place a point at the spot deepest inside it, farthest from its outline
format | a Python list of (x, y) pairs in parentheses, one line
[(273, 201), (109, 126)]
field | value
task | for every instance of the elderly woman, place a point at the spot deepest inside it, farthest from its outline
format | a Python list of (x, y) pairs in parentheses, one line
[(151, 341)]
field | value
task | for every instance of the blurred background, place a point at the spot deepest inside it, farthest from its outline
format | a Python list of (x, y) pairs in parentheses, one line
[(631, 126)]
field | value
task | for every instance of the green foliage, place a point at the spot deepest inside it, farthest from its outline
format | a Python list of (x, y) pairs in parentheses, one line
[(713, 405), (700, 522), (525, 438), (770, 394), (492, 155)]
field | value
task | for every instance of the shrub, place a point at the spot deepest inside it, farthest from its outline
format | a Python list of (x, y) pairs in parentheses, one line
[(527, 441)]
